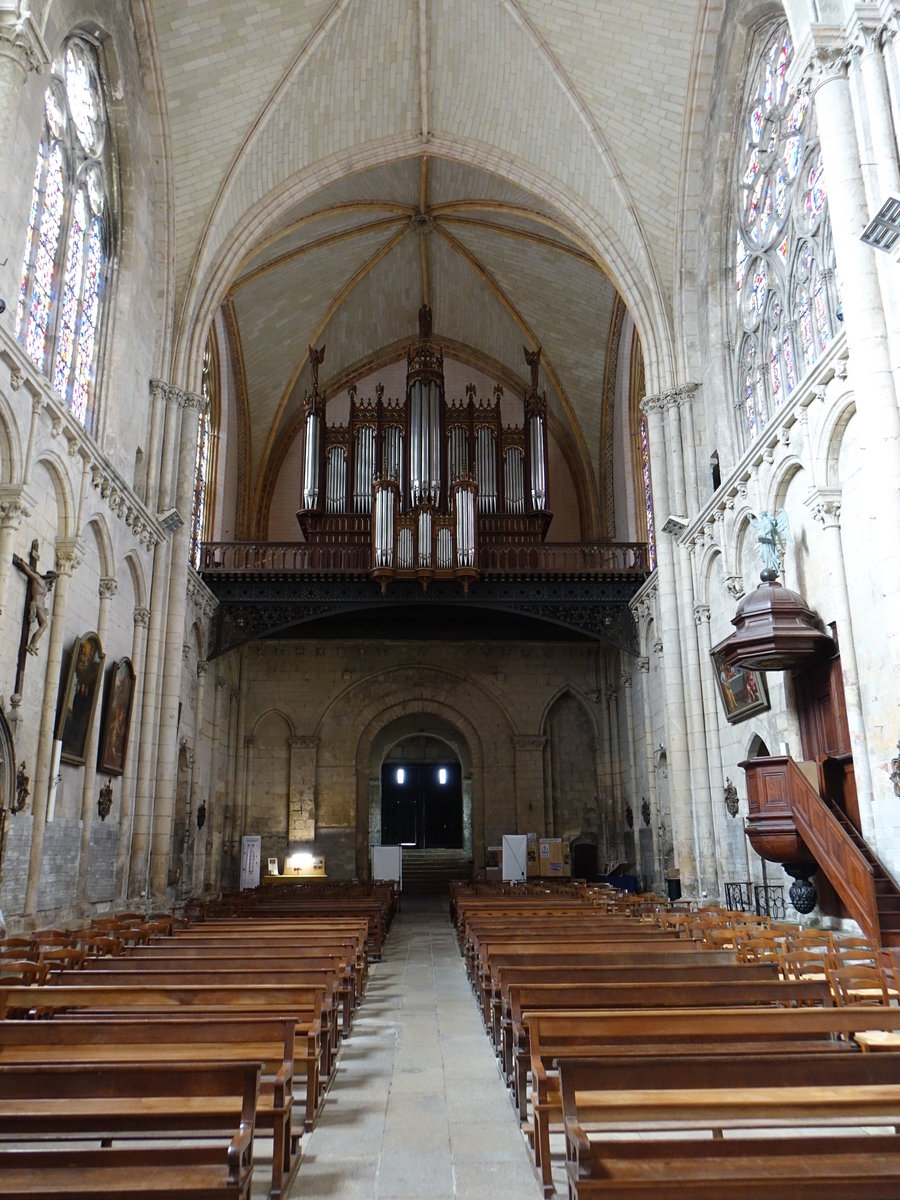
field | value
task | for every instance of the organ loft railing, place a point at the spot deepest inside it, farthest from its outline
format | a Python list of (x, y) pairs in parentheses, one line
[(424, 482)]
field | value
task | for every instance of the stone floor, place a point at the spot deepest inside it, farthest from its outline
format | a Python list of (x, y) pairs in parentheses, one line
[(417, 1108)]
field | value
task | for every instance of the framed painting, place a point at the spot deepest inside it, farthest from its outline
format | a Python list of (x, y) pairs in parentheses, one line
[(80, 697), (742, 692), (116, 718)]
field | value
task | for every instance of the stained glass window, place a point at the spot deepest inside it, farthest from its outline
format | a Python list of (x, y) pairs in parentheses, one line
[(785, 286), (68, 243), (207, 440)]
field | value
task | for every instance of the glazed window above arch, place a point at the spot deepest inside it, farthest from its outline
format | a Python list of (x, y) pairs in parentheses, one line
[(786, 299), (207, 446), (68, 247)]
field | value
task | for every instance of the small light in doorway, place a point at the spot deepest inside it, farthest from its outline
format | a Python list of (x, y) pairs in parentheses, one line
[(401, 775), (442, 775)]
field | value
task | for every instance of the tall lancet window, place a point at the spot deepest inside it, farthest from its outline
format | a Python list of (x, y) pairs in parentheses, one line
[(207, 445), (785, 301), (68, 247)]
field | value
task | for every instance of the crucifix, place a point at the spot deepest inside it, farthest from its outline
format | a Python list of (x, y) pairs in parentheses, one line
[(35, 608)]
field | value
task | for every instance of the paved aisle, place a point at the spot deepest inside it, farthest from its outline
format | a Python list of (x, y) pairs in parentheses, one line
[(418, 1108)]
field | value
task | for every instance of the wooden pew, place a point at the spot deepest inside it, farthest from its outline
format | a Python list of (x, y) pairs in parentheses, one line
[(527, 999), (149, 1041), (737, 1093), (555, 1037), (302, 1003), (112, 1102), (677, 970)]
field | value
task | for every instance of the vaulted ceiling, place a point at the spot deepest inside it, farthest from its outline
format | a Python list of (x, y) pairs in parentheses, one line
[(335, 163)]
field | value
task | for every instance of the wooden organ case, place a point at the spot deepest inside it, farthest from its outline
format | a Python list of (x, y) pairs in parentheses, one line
[(425, 481)]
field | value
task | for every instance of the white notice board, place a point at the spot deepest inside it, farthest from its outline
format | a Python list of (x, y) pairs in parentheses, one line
[(387, 863), (251, 853), (514, 857)]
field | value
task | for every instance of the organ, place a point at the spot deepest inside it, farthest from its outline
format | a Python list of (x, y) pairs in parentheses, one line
[(425, 481)]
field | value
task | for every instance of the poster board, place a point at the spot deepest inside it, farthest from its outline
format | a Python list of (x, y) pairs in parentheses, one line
[(387, 863), (515, 857), (251, 853)]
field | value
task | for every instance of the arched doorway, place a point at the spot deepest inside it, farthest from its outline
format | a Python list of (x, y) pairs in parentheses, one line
[(431, 819), (421, 795)]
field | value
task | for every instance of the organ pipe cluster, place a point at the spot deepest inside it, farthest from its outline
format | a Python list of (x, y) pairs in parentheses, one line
[(424, 481)]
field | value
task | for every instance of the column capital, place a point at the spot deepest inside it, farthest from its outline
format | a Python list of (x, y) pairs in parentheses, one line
[(13, 512), (526, 743), (701, 614), (108, 587), (194, 401), (734, 586), (681, 395), (626, 679), (168, 393), (653, 404), (142, 617), (825, 506), (202, 668), (221, 682), (21, 42), (827, 59), (68, 555), (249, 739), (643, 664), (658, 648), (304, 742)]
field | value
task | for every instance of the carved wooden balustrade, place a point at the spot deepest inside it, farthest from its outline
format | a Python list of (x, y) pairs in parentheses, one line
[(567, 559)]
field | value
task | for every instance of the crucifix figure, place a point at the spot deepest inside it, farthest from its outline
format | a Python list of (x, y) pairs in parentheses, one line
[(38, 591)]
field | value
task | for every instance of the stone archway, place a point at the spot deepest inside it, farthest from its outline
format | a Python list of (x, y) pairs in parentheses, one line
[(419, 738)]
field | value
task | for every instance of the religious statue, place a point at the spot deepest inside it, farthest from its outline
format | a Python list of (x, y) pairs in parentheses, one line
[(533, 360), (316, 357), (772, 533), (38, 592), (424, 322)]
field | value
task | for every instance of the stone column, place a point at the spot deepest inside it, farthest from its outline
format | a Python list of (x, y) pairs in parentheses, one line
[(685, 401), (231, 783), (12, 512), (67, 560), (22, 50), (715, 777), (129, 778), (302, 798), (159, 393), (825, 506), (871, 374), (642, 666), (108, 588), (217, 797), (618, 801), (241, 825), (674, 709), (200, 836), (529, 779), (167, 763)]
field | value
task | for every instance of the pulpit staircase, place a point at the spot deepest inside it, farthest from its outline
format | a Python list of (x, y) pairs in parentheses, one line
[(866, 888)]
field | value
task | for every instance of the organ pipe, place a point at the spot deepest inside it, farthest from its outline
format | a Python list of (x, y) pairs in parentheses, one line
[(425, 536), (336, 480), (384, 524), (365, 469), (311, 459), (538, 465), (514, 480), (486, 469)]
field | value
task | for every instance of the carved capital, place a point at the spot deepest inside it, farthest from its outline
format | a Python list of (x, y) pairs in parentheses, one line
[(249, 740), (303, 742), (658, 647), (643, 664), (185, 652), (166, 392), (734, 586), (221, 682), (12, 513), (825, 506), (196, 402), (701, 614), (826, 64), (108, 587), (202, 668), (526, 744), (653, 404), (142, 617), (626, 680), (685, 393), (68, 556), (16, 379), (21, 42)]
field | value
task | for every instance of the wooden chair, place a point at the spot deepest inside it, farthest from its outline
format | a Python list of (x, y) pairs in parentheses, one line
[(861, 985)]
